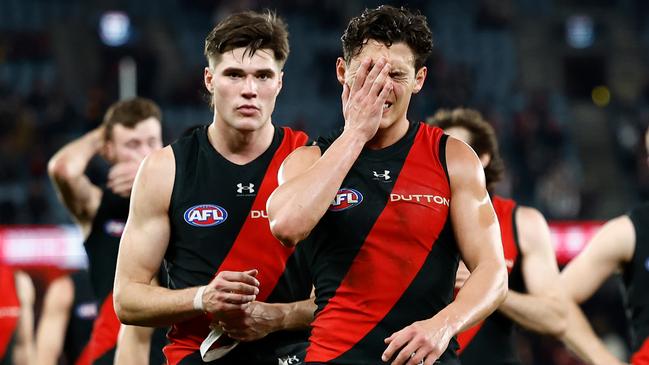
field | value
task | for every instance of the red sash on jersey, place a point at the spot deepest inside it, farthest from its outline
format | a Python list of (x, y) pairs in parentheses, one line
[(505, 212), (246, 253), (336, 328), (641, 357), (105, 330), (9, 308)]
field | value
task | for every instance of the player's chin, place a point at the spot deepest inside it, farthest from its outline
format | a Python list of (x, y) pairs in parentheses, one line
[(248, 124)]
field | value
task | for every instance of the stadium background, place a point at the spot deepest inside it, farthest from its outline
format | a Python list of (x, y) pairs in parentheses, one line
[(564, 83)]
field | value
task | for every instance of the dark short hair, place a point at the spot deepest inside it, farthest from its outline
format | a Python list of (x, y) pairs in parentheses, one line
[(482, 137), (129, 113), (389, 25), (249, 29)]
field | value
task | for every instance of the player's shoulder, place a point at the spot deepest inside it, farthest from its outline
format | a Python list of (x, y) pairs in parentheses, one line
[(462, 162), (160, 161), (533, 230), (529, 217), (60, 292)]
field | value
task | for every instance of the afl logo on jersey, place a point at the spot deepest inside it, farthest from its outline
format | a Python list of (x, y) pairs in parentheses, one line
[(345, 199), (205, 215), (114, 228)]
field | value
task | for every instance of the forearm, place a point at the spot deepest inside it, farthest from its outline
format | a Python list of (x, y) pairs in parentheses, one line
[(297, 205), (296, 315), (133, 345), (582, 340), (483, 292), (545, 315), (149, 305)]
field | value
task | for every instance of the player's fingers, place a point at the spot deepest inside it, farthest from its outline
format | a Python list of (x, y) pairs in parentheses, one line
[(373, 74), (345, 95), (385, 93), (406, 353), (252, 272), (361, 74), (397, 341), (243, 277), (379, 82)]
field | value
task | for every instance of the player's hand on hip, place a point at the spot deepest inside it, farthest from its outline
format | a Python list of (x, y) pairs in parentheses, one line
[(363, 101), (422, 342), (230, 291), (256, 321), (121, 177)]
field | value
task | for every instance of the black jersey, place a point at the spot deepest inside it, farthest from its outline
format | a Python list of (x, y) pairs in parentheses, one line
[(636, 280), (219, 223), (384, 255), (102, 247), (492, 340), (82, 314)]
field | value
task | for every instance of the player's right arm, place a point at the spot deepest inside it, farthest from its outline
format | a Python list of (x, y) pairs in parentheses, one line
[(54, 320), (67, 170), (142, 248), (612, 246), (308, 180)]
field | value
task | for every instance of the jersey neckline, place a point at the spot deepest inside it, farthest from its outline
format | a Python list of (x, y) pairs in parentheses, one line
[(206, 146)]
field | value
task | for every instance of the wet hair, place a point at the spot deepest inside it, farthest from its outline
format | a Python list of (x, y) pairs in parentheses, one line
[(389, 25), (249, 29), (129, 113), (482, 137)]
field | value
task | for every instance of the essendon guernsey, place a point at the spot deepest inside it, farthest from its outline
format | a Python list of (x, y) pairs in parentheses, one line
[(219, 223), (384, 254)]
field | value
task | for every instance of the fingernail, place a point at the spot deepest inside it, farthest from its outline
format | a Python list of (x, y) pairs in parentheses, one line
[(384, 358)]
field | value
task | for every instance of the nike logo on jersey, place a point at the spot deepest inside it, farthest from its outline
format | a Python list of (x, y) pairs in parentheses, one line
[(345, 199), (421, 198), (248, 189), (205, 215)]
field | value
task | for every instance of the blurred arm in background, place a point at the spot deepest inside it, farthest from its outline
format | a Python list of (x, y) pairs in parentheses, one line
[(612, 246)]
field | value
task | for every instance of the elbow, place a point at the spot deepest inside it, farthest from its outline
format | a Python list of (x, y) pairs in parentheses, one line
[(286, 233), (120, 308), (57, 169)]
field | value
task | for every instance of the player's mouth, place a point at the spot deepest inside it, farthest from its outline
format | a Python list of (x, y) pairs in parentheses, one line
[(248, 110)]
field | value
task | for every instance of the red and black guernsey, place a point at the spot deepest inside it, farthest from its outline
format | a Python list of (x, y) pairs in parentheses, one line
[(81, 317), (219, 223), (636, 280), (492, 340), (9, 314), (384, 254), (102, 246)]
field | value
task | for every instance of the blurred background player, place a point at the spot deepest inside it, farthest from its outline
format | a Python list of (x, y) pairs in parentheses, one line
[(16, 318), (130, 131), (380, 202), (621, 245), (64, 327), (534, 300), (201, 205)]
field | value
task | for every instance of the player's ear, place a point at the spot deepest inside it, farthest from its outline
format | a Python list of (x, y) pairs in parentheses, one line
[(420, 77), (341, 68), (207, 79), (280, 82)]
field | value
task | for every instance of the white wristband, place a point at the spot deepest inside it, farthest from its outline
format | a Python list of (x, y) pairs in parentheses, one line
[(198, 299)]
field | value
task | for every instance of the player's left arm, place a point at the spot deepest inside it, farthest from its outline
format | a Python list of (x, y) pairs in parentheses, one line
[(543, 308), (24, 347), (260, 319), (478, 238)]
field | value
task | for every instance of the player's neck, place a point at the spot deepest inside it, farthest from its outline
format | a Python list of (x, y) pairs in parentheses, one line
[(237, 146), (388, 136)]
